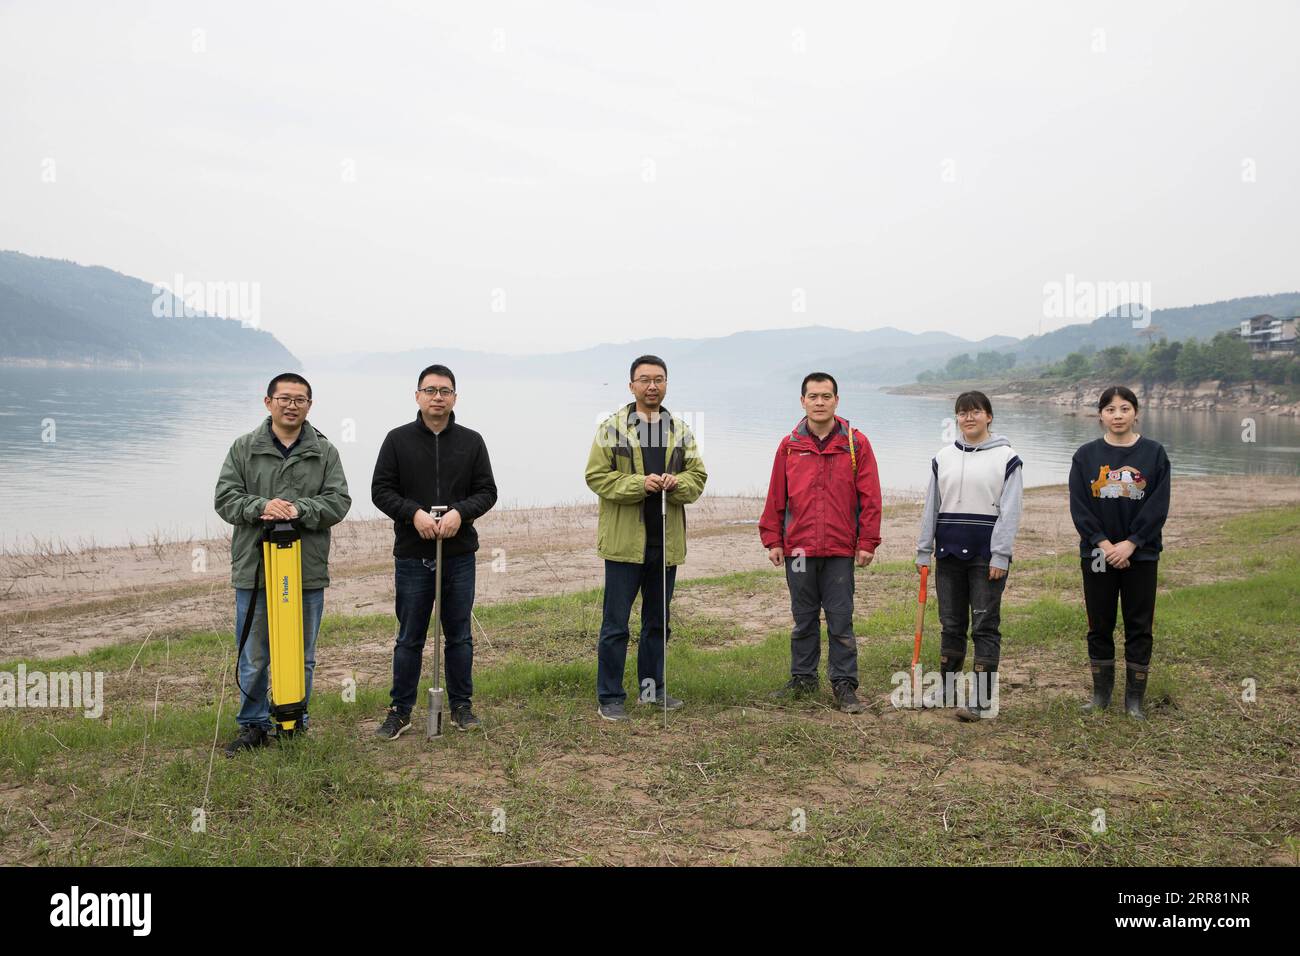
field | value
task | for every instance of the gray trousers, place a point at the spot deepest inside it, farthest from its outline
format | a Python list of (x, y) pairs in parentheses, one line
[(823, 583), (967, 595)]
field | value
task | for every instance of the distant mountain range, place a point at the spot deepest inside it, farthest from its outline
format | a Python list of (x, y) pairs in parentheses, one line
[(55, 311), (880, 356), (1177, 325), (58, 312), (884, 356)]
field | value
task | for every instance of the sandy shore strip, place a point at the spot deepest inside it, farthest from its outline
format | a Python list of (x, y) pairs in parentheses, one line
[(56, 601)]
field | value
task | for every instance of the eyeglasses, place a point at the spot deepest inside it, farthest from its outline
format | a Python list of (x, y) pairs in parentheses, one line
[(297, 401), (431, 391), (645, 381)]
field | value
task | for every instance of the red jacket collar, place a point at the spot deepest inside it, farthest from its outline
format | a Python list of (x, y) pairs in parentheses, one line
[(801, 430)]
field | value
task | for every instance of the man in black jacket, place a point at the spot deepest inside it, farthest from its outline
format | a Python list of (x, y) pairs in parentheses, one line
[(433, 461)]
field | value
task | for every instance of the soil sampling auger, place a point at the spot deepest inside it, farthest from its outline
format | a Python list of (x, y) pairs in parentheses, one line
[(436, 693)]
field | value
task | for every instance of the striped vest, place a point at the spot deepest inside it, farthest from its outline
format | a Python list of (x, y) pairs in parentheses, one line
[(970, 486)]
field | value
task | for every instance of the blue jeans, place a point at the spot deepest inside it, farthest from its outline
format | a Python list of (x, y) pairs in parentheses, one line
[(415, 593), (254, 663), (623, 580)]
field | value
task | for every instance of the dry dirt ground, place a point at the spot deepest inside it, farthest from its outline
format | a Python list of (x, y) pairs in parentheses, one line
[(720, 785), (57, 601)]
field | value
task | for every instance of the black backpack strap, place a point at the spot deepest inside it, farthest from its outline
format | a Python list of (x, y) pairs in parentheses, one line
[(252, 609)]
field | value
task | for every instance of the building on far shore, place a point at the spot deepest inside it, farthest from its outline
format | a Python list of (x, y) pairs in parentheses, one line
[(1268, 335)]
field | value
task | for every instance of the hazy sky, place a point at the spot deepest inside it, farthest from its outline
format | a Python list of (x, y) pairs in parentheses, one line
[(533, 177)]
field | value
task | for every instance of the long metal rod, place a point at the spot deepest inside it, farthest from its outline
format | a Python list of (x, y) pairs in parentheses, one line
[(437, 614), (663, 594), (435, 692)]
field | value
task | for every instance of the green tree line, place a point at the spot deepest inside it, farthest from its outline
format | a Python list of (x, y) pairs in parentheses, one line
[(1225, 358), (960, 367)]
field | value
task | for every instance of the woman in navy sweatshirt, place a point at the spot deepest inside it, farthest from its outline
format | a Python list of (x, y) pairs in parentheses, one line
[(1119, 499), (972, 511)]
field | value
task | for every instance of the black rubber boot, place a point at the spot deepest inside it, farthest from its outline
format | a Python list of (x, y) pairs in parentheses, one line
[(1103, 685), (986, 676), (1135, 686), (949, 664)]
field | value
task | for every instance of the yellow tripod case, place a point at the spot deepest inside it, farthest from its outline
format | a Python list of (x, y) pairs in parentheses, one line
[(282, 558)]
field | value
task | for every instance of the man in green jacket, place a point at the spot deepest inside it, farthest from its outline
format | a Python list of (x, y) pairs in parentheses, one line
[(283, 470), (638, 453)]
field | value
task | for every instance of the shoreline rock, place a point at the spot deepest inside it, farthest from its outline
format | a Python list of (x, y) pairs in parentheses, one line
[(1207, 396)]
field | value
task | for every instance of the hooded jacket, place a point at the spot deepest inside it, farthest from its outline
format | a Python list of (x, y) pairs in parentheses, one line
[(311, 478), (616, 472), (972, 507), (823, 502)]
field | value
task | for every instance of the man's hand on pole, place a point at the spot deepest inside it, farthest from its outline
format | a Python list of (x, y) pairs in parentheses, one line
[(277, 509), (448, 525), (426, 525)]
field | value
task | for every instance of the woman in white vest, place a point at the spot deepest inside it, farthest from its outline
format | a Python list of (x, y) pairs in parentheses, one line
[(968, 526)]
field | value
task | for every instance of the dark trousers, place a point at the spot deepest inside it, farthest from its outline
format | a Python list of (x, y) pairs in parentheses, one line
[(415, 593), (1134, 590), (966, 595), (623, 581), (822, 584)]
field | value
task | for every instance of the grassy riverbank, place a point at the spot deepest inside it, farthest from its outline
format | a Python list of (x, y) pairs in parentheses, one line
[(1209, 779)]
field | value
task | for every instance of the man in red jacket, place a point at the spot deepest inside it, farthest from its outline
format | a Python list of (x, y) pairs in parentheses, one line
[(822, 513)]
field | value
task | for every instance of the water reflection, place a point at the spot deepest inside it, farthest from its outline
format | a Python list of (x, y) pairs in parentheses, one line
[(137, 453)]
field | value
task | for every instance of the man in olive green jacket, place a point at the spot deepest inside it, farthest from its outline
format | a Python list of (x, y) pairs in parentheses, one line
[(283, 470), (640, 452)]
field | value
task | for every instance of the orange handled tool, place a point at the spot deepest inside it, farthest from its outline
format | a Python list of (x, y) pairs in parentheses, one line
[(916, 645), (920, 617)]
